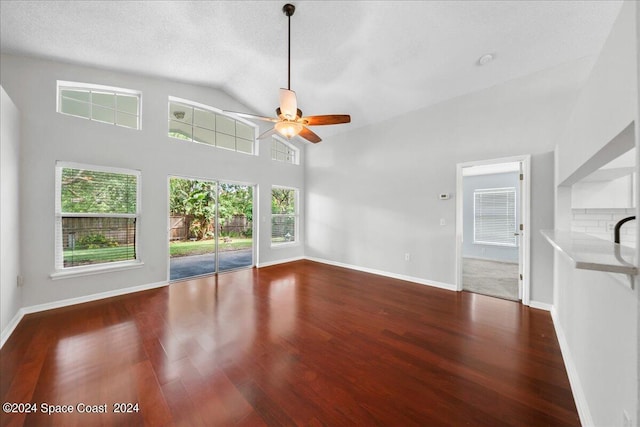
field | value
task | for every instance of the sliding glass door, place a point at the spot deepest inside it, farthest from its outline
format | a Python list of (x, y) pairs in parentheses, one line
[(235, 224), (211, 227)]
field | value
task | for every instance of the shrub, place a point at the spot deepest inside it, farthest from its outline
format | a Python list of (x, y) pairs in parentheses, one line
[(95, 241)]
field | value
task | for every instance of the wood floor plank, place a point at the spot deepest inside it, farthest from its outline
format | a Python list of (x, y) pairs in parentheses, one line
[(300, 343)]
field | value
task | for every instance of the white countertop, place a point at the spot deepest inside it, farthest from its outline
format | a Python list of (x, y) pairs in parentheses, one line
[(591, 253)]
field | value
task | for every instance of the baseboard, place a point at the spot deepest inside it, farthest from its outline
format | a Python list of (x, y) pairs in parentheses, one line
[(572, 372), (8, 330), (280, 261), (6, 333), (540, 305), (417, 280)]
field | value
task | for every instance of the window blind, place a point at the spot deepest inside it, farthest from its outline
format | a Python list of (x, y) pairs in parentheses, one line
[(495, 216), (96, 216), (284, 215)]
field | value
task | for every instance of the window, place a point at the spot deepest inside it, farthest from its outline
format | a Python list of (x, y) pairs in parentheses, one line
[(104, 104), (283, 151), (494, 216), (284, 215), (200, 123), (97, 211)]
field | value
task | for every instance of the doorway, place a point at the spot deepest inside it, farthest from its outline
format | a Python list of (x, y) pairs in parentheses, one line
[(492, 228), (210, 227)]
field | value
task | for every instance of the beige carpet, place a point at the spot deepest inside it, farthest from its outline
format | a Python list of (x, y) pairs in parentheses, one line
[(494, 278)]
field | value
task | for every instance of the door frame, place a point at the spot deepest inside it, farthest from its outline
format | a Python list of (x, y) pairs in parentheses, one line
[(525, 234), (254, 225)]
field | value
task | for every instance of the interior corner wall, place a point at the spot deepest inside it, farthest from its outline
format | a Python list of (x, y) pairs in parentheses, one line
[(10, 294), (596, 313), (372, 193), (48, 136)]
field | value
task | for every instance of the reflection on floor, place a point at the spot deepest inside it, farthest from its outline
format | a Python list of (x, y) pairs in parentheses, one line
[(494, 278)]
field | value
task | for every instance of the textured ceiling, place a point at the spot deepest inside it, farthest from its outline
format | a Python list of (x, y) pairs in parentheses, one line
[(373, 60)]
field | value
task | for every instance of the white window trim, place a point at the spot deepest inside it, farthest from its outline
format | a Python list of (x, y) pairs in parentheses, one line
[(59, 270), (295, 149), (215, 110), (61, 85), (515, 215), (296, 215)]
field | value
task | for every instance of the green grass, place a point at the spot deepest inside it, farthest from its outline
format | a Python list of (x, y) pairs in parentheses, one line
[(97, 256), (199, 247), (176, 249)]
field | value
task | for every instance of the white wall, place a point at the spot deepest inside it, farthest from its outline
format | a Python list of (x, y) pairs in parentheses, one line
[(10, 294), (606, 108), (49, 136), (372, 193), (637, 198), (595, 313)]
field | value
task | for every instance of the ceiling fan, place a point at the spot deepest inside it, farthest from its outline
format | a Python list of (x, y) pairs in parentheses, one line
[(290, 121)]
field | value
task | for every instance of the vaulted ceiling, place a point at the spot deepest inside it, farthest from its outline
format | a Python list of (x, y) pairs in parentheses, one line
[(374, 60)]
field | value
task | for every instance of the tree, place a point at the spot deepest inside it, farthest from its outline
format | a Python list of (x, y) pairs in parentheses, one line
[(85, 191), (195, 198), (198, 199), (283, 201)]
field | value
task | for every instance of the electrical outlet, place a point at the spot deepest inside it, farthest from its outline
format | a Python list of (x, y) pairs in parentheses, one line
[(443, 221), (610, 225), (20, 281), (407, 256)]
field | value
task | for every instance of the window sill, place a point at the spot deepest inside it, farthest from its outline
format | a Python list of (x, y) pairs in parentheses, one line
[(284, 245), (91, 270)]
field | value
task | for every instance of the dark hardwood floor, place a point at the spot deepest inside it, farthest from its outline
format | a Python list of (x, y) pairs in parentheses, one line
[(296, 344)]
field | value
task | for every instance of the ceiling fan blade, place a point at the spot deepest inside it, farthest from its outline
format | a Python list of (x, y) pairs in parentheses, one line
[(309, 135), (252, 116), (328, 119), (288, 104), (267, 134)]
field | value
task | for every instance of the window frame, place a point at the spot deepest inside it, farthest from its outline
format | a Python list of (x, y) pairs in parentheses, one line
[(501, 190), (60, 270), (290, 146), (193, 104), (95, 88), (295, 215)]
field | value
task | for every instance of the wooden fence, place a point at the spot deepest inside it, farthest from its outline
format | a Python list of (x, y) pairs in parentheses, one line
[(119, 230), (180, 225)]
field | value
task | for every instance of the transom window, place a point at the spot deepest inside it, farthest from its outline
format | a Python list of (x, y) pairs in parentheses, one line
[(284, 215), (495, 216), (97, 212), (283, 151), (116, 106), (190, 121)]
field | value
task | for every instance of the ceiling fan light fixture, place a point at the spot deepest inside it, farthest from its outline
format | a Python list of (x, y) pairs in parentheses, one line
[(288, 129), (290, 122)]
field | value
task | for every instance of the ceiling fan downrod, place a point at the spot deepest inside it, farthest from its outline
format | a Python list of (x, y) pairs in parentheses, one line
[(289, 10)]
